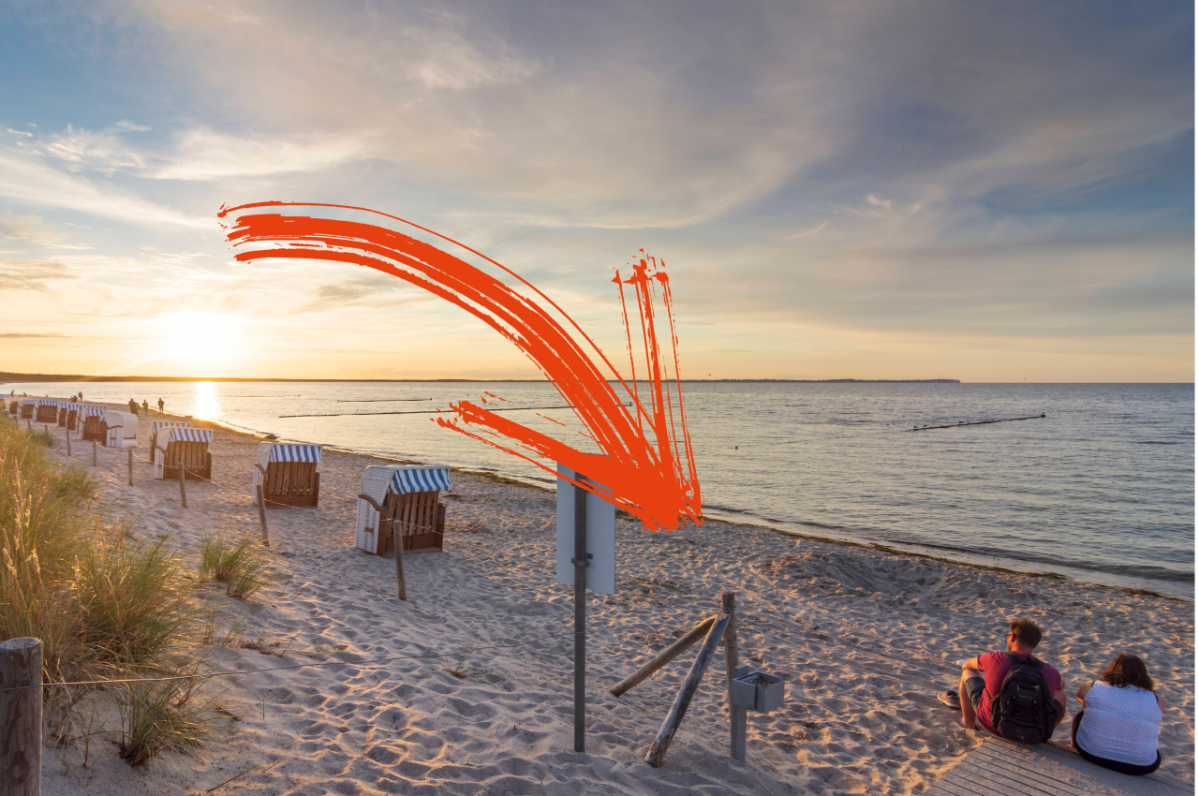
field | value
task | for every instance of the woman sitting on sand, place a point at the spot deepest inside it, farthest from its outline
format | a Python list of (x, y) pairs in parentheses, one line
[(1121, 718)]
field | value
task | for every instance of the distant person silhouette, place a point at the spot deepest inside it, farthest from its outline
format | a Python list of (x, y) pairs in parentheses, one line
[(160, 406)]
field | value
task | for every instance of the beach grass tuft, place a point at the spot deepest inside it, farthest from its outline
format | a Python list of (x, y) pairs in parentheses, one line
[(157, 717), (241, 565)]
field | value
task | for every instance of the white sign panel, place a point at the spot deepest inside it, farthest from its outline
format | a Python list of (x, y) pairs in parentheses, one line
[(601, 537)]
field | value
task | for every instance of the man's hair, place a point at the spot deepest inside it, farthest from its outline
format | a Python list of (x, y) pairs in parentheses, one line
[(1026, 632), (1127, 670)]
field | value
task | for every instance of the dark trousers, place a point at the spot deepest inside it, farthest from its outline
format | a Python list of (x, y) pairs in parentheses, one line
[(1111, 765)]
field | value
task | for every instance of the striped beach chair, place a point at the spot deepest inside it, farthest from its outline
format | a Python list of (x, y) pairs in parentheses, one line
[(403, 500), (177, 447), (120, 429), (93, 422), (290, 475), (47, 411), (63, 408), (75, 416), (14, 407), (28, 408), (159, 425)]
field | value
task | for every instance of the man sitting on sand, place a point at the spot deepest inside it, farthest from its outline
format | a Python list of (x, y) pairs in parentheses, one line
[(1012, 694)]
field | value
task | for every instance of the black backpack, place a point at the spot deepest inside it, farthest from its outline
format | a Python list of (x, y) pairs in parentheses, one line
[(1024, 710)]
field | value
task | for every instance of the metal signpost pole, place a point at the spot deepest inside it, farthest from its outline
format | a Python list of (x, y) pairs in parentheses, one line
[(580, 562)]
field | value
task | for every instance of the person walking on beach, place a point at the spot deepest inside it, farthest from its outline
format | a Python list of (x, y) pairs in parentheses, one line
[(160, 406), (1012, 694), (132, 407), (1121, 718), (145, 407)]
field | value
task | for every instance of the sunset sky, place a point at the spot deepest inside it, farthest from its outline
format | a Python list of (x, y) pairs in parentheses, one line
[(990, 191)]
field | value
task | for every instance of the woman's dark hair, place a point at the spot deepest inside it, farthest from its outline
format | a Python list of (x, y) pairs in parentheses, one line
[(1127, 670)]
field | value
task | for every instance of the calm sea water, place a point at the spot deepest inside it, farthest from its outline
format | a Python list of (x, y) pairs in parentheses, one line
[(1100, 490)]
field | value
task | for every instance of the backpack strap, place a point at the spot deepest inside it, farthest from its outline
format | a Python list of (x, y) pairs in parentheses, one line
[(1015, 658)]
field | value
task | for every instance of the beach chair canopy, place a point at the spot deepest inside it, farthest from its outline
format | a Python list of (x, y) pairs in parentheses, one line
[(294, 453), (122, 429), (49, 402), (158, 425), (174, 434), (93, 411), (420, 478)]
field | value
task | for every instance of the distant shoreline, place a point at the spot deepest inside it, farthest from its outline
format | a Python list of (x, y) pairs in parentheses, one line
[(38, 378)]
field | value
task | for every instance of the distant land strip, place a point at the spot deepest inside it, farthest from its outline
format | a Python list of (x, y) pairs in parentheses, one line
[(24, 378)]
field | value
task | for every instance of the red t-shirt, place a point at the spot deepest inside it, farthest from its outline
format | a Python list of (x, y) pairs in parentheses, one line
[(994, 667)]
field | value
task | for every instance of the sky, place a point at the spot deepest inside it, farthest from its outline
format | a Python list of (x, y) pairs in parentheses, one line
[(988, 191)]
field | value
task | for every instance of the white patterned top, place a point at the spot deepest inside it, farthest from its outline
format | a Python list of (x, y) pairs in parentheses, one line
[(1120, 723)]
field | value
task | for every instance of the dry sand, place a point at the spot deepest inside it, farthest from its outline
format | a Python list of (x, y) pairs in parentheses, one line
[(864, 638)]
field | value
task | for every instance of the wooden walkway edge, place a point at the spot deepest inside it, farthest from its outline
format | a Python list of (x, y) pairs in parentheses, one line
[(1003, 768)]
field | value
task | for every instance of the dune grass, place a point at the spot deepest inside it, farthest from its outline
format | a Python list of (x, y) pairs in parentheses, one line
[(242, 566), (104, 605)]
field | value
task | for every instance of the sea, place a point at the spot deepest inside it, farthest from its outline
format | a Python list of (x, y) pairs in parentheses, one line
[(1101, 489)]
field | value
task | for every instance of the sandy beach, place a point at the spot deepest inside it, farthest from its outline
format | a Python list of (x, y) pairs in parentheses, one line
[(864, 638)]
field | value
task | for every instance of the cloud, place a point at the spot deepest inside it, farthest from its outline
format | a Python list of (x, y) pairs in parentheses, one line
[(23, 335), (29, 179), (206, 155), (36, 275), (82, 150)]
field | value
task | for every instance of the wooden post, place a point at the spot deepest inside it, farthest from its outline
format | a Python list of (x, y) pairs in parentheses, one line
[(737, 727), (21, 717), (664, 657), (130, 466), (29, 423), (397, 541), (580, 561), (657, 751), (266, 539), (94, 446), (68, 440), (182, 482)]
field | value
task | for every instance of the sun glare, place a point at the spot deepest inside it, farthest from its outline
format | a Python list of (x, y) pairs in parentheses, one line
[(200, 341)]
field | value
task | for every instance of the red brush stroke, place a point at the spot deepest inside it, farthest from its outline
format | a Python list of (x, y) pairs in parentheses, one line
[(643, 467)]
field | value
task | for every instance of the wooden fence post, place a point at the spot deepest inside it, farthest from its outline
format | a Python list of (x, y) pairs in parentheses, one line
[(94, 446), (21, 717), (266, 539), (657, 751), (68, 440), (664, 657), (130, 466), (398, 543), (737, 718), (182, 483), (29, 423)]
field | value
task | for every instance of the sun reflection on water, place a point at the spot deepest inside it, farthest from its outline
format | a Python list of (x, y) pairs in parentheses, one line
[(207, 402)]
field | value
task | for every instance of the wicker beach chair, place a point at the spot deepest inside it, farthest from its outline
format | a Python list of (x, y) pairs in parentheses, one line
[(93, 422), (47, 411), (28, 408), (403, 500), (120, 430), (14, 407), (177, 447), (63, 409), (159, 425), (290, 475)]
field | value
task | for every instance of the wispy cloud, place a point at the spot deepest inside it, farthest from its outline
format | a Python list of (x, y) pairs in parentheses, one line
[(207, 155), (37, 275), (29, 179)]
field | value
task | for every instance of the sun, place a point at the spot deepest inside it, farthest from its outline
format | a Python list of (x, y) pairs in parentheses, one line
[(200, 340)]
